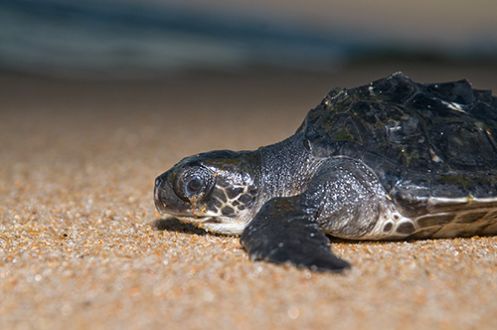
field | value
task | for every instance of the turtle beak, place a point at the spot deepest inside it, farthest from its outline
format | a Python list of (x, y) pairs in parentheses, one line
[(158, 201)]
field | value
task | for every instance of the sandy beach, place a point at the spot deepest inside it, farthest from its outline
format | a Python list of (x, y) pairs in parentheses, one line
[(81, 245)]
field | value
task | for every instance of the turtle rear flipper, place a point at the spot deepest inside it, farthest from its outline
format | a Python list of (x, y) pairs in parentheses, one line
[(283, 233)]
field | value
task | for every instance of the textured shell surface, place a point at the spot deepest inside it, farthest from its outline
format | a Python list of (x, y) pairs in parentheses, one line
[(431, 145)]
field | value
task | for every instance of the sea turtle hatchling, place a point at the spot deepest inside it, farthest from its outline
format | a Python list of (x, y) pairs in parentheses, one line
[(394, 159)]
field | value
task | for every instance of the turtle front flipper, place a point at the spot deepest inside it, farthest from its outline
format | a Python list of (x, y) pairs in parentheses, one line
[(283, 232)]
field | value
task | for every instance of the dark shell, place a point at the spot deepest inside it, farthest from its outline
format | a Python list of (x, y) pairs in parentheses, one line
[(422, 140)]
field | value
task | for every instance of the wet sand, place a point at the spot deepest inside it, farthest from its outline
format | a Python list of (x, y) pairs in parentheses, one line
[(81, 245)]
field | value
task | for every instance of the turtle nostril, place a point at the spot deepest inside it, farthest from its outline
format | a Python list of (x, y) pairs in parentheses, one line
[(158, 181)]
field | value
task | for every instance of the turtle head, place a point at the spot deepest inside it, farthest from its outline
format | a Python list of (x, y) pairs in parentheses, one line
[(216, 190)]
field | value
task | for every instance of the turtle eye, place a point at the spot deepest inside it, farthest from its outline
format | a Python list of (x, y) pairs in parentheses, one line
[(194, 182), (194, 185)]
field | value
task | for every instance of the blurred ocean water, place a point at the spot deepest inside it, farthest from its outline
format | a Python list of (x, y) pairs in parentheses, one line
[(122, 38)]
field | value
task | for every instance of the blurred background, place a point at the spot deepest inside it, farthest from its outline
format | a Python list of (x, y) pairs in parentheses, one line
[(154, 38)]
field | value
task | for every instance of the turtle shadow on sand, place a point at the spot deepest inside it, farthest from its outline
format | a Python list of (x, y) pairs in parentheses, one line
[(346, 241), (173, 224)]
